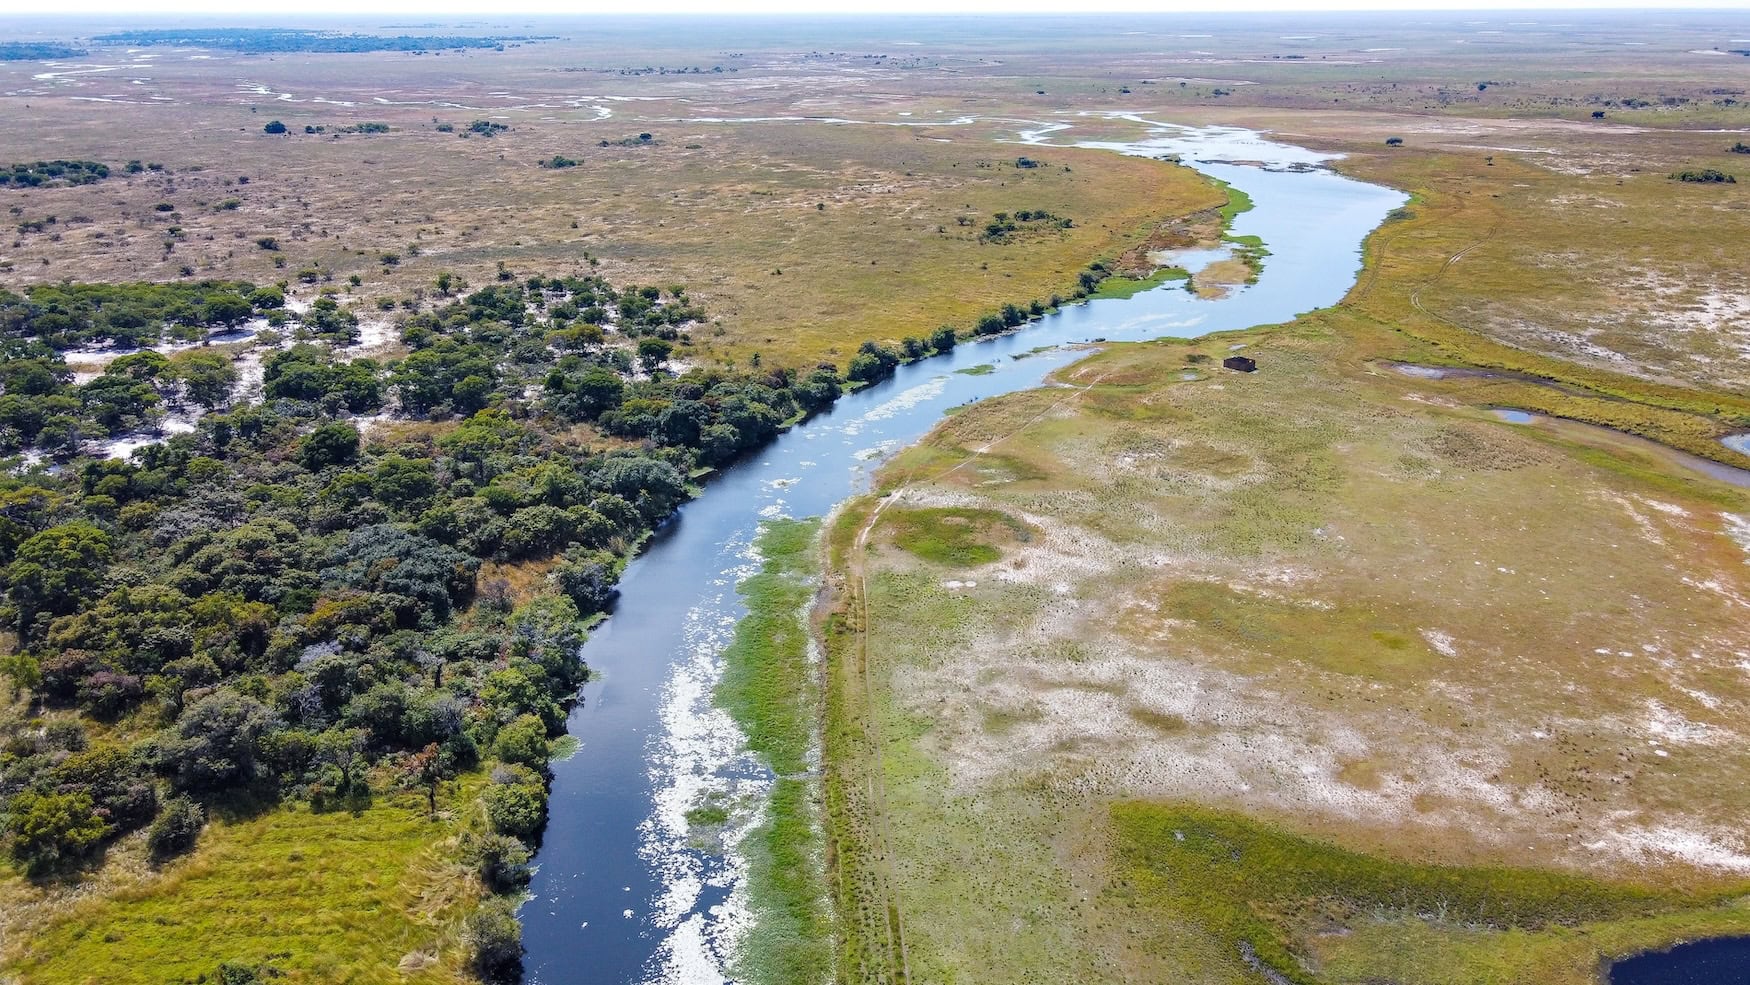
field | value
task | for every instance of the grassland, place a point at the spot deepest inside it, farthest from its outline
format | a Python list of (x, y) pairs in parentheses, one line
[(802, 239), (376, 894), (1221, 604), (1355, 618), (1337, 620)]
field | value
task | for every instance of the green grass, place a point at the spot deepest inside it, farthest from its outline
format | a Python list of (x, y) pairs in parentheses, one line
[(953, 536), (708, 815), (1244, 881), (1119, 286), (768, 687), (982, 369), (328, 897), (1237, 202), (1362, 640)]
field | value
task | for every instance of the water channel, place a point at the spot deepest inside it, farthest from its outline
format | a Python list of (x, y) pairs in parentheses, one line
[(622, 895)]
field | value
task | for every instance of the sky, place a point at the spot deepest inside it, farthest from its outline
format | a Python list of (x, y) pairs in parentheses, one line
[(430, 9)]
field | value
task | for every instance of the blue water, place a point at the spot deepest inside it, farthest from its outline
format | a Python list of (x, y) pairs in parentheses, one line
[(620, 895), (1720, 961)]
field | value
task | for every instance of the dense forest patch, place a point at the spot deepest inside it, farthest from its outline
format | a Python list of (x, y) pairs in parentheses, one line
[(284, 606)]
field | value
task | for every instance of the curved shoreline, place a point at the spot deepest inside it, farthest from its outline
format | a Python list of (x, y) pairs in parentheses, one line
[(623, 893)]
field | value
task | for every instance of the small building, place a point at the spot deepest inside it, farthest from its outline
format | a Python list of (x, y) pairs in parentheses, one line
[(1243, 364)]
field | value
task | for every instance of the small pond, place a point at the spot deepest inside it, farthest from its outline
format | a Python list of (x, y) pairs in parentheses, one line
[(1718, 961)]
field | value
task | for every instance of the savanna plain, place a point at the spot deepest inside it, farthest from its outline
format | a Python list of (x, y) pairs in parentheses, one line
[(339, 386)]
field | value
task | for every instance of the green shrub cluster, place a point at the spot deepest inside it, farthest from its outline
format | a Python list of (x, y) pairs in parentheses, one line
[(52, 173)]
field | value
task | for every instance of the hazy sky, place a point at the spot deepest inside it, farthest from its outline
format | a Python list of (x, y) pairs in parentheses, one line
[(427, 9)]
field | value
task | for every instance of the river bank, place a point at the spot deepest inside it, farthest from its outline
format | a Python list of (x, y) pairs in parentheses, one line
[(622, 892)]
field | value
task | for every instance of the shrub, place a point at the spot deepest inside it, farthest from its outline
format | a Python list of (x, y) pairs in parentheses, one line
[(331, 444), (177, 827), (587, 582), (496, 939), (524, 742), (274, 126), (519, 807), (1704, 176), (216, 743), (49, 830), (502, 862)]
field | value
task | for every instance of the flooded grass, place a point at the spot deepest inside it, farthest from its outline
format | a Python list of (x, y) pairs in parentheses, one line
[(1248, 884), (1119, 286), (768, 686)]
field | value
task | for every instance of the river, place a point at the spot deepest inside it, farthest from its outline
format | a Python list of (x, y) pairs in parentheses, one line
[(621, 895)]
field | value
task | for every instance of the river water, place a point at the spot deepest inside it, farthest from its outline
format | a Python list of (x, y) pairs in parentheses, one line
[(621, 895)]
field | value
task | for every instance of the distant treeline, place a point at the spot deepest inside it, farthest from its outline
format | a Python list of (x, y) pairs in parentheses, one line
[(26, 51), (263, 40)]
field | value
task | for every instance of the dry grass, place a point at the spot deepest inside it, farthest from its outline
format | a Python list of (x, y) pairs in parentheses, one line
[(802, 240), (1314, 594)]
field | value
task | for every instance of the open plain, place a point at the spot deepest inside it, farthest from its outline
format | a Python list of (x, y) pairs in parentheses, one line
[(1418, 655)]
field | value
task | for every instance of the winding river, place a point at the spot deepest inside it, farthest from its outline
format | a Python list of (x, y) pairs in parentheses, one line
[(621, 894)]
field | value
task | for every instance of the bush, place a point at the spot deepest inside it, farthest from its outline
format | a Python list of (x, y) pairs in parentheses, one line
[(872, 363), (502, 862), (1704, 176), (496, 939), (50, 830), (216, 743), (518, 807), (331, 444), (238, 973), (274, 127), (587, 582), (524, 742), (176, 829)]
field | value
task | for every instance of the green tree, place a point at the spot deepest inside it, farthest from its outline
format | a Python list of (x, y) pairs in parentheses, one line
[(56, 571), (873, 362), (517, 808), (49, 830), (652, 353), (206, 376), (226, 309), (216, 744), (524, 742), (501, 861), (404, 483), (335, 443)]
